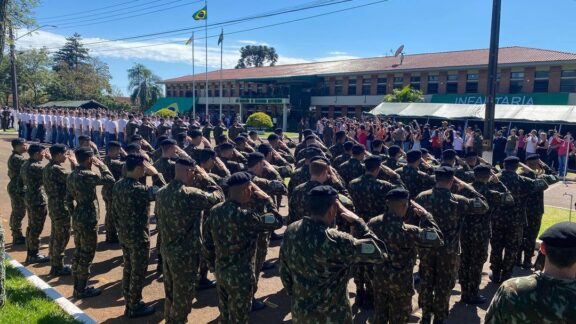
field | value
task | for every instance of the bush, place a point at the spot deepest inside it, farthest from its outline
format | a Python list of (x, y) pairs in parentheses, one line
[(166, 113), (259, 120)]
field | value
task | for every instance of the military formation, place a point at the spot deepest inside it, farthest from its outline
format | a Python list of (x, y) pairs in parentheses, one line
[(395, 222)]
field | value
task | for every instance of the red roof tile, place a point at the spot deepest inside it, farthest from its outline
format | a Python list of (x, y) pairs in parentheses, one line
[(442, 60)]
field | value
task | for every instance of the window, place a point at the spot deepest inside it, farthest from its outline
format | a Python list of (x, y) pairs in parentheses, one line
[(189, 94), (325, 88), (381, 89), (351, 112), (398, 82), (366, 86), (541, 81), (432, 84), (337, 111), (260, 89), (452, 83), (209, 93), (324, 111), (472, 77), (338, 87), (516, 82), (472, 83), (352, 87), (568, 81), (232, 90), (415, 83)]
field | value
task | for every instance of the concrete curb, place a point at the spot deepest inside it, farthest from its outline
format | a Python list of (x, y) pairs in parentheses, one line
[(40, 284)]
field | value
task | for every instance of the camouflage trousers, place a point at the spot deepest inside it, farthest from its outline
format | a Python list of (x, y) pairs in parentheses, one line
[(235, 292), (261, 251), (335, 314), (36, 218), (85, 239), (393, 297), (110, 221), (474, 254), (505, 242), (530, 233), (2, 270), (438, 270), (60, 234), (17, 215), (180, 282), (135, 257)]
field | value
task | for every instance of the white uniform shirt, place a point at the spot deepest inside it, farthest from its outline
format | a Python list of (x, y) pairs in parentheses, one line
[(97, 125), (86, 121), (111, 126), (122, 125)]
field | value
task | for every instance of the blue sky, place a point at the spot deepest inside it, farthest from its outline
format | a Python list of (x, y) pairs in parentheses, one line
[(421, 25)]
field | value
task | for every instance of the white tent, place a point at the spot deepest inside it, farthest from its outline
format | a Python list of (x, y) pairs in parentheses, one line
[(519, 113)]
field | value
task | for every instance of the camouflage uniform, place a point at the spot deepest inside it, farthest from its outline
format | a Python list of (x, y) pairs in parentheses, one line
[(146, 130), (115, 166), (131, 206), (16, 192), (393, 284), (229, 238), (508, 224), (234, 131), (81, 188), (367, 192), (193, 151), (131, 128), (316, 264), (54, 178), (302, 175), (351, 170), (232, 165), (393, 164), (439, 267), (341, 159), (179, 210), (537, 298), (337, 150), (36, 201), (298, 200), (206, 131), (415, 180)]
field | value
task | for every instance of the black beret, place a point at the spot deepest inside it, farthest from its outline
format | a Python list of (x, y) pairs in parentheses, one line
[(444, 173), (393, 150), (240, 139), (58, 149), (323, 192), (320, 157), (348, 146), (307, 132), (136, 137), (377, 142), (340, 133), (83, 152), (254, 158), (482, 170), (397, 194), (18, 141), (272, 137), (114, 144), (561, 235), (225, 146), (312, 152), (35, 148), (133, 147), (309, 137), (134, 160), (181, 137), (424, 151), (185, 161), (239, 179), (357, 149), (533, 157), (413, 156), (168, 142), (195, 133), (278, 131), (372, 162), (471, 154), (264, 148), (252, 133), (511, 160), (83, 138), (448, 154), (206, 154)]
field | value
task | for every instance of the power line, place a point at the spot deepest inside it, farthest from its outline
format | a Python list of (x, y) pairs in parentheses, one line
[(91, 10)]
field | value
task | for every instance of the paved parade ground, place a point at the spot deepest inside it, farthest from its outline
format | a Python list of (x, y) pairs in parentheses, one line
[(107, 273)]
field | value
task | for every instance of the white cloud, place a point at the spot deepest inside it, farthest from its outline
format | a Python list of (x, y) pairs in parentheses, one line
[(252, 42), (337, 53)]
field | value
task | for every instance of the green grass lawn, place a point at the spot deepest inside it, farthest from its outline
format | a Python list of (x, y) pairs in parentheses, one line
[(554, 215), (26, 304)]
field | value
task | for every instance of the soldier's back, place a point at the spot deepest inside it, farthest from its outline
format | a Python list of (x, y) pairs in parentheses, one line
[(32, 178)]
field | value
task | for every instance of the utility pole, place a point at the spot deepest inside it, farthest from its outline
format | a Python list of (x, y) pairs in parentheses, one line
[(492, 78), (13, 62)]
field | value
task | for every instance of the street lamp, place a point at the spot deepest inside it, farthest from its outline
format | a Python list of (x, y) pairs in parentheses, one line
[(13, 62)]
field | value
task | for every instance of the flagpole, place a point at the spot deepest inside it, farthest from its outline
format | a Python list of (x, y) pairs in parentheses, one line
[(221, 54), (193, 81), (206, 38)]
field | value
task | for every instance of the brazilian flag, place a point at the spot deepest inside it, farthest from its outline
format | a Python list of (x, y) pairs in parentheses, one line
[(201, 14)]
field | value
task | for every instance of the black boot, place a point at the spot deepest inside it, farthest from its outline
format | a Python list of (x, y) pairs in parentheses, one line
[(495, 277), (35, 257), (159, 267), (61, 271), (257, 305), (139, 311), (267, 265), (368, 302), (276, 237), (206, 283), (475, 300), (18, 239), (112, 239), (426, 319), (81, 291), (360, 296)]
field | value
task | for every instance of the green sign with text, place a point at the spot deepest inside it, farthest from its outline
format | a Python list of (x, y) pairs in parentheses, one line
[(505, 99)]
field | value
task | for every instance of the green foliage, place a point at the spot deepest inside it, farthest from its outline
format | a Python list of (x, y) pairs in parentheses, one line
[(85, 81), (26, 304), (72, 54), (144, 86), (405, 94), (165, 112), (256, 55), (259, 120), (111, 103)]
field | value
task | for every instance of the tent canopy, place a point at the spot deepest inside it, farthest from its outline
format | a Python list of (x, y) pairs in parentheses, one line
[(177, 104), (526, 113), (87, 104)]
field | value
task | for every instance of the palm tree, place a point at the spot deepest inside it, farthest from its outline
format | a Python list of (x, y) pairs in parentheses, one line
[(143, 86)]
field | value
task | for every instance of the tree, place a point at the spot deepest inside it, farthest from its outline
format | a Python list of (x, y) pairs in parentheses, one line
[(259, 120), (34, 75), (256, 55), (90, 80), (73, 53), (144, 86), (405, 94), (19, 13)]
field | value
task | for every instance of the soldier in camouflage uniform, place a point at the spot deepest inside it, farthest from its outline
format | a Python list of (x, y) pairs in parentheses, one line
[(353, 168), (302, 174), (338, 148), (226, 154), (543, 297), (476, 233), (403, 226), (235, 130), (229, 237), (461, 169), (366, 192), (81, 189), (146, 129), (415, 180), (179, 208), (193, 148), (439, 267), (534, 206), (115, 165), (378, 148), (344, 156), (54, 179), (507, 226), (317, 260), (131, 206), (131, 129), (36, 201), (16, 189), (395, 153)]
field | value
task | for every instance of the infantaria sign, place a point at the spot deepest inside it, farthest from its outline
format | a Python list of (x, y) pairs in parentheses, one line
[(505, 99)]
